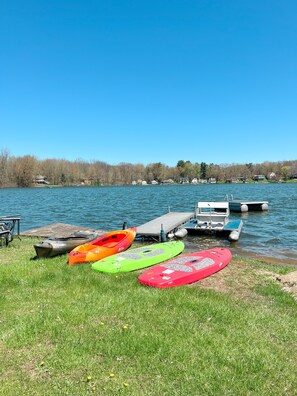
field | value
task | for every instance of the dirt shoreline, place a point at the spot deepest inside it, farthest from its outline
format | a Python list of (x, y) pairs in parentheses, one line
[(266, 259), (288, 281), (240, 278)]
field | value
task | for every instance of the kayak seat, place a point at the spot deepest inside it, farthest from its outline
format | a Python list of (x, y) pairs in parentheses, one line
[(111, 244)]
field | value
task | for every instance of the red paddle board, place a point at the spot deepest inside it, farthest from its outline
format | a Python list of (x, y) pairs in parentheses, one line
[(187, 268)]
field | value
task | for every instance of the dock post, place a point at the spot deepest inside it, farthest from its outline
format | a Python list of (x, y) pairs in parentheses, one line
[(162, 234)]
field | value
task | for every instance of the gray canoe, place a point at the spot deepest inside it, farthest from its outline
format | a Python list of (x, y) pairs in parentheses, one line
[(52, 246)]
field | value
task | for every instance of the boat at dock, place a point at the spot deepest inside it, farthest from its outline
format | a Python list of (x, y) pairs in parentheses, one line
[(212, 218)]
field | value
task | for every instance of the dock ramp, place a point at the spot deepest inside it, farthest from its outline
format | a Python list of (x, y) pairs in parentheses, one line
[(168, 222)]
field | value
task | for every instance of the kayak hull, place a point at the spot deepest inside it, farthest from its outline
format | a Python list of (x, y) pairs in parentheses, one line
[(51, 247), (108, 244)]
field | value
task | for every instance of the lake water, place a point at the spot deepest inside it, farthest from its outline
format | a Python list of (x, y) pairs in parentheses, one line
[(269, 234)]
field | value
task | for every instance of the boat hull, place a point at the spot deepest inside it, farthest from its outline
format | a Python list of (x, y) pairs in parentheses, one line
[(186, 268), (51, 247), (231, 230)]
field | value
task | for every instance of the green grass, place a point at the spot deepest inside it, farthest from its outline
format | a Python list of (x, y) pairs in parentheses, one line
[(74, 331)]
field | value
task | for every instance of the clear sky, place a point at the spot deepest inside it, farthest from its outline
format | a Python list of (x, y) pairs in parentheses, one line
[(145, 81)]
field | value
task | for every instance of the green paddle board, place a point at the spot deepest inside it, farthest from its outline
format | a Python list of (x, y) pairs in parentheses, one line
[(135, 259)]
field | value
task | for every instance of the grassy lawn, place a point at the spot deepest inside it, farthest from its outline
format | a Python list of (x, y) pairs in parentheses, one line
[(74, 331)]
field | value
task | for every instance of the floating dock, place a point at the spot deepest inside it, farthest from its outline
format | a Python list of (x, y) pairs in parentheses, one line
[(168, 223), (247, 206)]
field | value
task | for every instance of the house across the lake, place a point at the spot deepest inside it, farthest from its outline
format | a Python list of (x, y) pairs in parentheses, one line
[(40, 180), (259, 177)]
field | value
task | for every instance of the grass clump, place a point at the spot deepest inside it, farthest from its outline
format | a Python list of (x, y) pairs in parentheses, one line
[(74, 331)]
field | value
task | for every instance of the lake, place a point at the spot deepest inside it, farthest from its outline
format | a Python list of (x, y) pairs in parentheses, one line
[(269, 234)]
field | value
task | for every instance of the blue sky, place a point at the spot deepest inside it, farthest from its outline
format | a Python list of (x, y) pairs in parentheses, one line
[(145, 81)]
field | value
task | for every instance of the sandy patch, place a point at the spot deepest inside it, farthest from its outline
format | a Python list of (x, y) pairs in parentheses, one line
[(289, 282)]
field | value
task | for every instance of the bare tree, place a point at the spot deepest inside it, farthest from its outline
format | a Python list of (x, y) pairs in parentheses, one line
[(23, 170), (4, 169)]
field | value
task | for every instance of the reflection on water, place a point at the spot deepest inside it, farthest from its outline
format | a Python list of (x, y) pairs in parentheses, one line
[(271, 234)]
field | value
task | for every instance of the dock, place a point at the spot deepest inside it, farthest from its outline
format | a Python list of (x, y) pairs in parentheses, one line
[(58, 230), (168, 223), (247, 206)]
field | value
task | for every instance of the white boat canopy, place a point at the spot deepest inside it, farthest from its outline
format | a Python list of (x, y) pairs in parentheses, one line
[(219, 205)]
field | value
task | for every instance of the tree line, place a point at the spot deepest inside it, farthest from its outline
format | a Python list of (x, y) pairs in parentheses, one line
[(24, 171)]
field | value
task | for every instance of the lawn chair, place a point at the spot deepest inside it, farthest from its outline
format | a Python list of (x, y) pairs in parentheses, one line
[(7, 225)]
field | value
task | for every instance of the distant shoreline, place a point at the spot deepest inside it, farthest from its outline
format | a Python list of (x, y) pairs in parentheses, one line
[(144, 185)]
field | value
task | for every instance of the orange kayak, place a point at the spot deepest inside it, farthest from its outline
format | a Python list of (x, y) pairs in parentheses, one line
[(111, 243)]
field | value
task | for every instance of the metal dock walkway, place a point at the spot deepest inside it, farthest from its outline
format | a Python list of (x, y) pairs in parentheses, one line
[(168, 222)]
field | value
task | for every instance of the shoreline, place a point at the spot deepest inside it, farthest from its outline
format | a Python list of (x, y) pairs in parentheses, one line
[(266, 259), (236, 252)]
